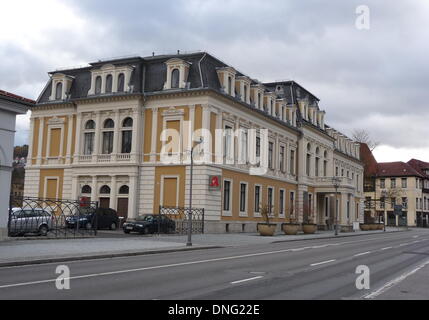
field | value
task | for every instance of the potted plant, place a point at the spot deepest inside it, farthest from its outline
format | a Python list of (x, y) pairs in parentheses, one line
[(290, 227), (266, 228), (308, 225)]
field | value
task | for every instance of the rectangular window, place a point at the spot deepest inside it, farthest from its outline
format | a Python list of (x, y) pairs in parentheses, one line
[(317, 167), (307, 165), (88, 147), (282, 158), (126, 141), (226, 195), (348, 209), (257, 198), (336, 171), (292, 162), (392, 203), (107, 142), (292, 203), (228, 143), (382, 202), (393, 183), (270, 155), (325, 168), (243, 146), (281, 202), (270, 200), (326, 207), (382, 183), (243, 191), (258, 147)]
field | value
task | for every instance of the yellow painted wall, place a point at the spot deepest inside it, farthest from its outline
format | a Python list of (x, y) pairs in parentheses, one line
[(237, 177), (54, 173), (35, 139), (169, 171)]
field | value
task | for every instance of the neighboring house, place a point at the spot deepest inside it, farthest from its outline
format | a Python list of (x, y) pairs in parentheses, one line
[(10, 106), (396, 183), (96, 133)]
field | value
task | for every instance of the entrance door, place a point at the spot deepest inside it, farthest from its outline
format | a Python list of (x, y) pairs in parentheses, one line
[(104, 203), (123, 207)]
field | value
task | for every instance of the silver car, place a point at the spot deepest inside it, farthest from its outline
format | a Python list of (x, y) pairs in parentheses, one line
[(35, 220)]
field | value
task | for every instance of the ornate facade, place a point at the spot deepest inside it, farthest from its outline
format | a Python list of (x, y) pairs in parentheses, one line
[(96, 132)]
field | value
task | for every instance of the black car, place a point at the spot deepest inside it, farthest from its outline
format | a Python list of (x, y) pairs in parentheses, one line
[(89, 217), (149, 223)]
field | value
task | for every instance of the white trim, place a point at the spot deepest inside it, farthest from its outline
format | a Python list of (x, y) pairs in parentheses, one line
[(161, 199), (229, 212), (246, 209)]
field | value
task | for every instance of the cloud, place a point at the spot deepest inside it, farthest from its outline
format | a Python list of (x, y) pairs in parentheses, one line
[(373, 79)]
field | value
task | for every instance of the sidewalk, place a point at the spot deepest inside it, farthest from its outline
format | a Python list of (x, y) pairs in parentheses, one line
[(20, 252)]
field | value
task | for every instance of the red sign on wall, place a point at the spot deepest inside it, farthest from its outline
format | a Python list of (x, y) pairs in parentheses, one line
[(214, 182)]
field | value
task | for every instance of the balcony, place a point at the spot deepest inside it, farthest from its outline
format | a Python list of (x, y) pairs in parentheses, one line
[(105, 158), (327, 182)]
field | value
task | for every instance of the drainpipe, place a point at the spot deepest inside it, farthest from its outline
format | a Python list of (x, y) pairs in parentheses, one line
[(199, 67)]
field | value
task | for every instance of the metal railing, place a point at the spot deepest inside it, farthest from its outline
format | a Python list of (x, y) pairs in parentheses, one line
[(181, 218)]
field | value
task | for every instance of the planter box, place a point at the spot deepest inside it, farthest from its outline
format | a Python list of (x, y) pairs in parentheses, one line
[(345, 229), (290, 228), (266, 230), (365, 227), (374, 226), (309, 228)]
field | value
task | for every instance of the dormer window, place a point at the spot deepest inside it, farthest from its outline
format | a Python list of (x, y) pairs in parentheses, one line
[(175, 78), (109, 81), (121, 82), (177, 74), (98, 85), (230, 88), (59, 91)]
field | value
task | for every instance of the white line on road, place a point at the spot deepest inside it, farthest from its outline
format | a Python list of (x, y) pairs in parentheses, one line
[(323, 262), (245, 280), (394, 282), (387, 248), (362, 254)]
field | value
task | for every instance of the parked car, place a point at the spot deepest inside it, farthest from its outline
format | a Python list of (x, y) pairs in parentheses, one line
[(149, 223), (88, 217), (31, 220)]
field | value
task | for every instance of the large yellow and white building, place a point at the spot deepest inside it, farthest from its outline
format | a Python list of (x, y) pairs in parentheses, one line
[(96, 133)]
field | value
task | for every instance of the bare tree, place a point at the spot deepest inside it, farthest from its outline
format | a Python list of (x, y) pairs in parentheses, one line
[(361, 135)]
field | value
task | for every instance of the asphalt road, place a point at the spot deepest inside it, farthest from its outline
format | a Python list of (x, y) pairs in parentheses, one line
[(311, 269)]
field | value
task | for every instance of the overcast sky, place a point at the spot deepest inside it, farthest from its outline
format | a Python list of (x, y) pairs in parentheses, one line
[(374, 79)]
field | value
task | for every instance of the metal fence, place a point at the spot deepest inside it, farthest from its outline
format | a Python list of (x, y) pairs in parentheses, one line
[(181, 218), (51, 218)]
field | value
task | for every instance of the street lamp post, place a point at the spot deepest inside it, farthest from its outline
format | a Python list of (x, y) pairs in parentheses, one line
[(189, 243), (336, 182)]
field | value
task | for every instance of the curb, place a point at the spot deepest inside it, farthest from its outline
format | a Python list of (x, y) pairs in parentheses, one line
[(100, 256), (339, 236)]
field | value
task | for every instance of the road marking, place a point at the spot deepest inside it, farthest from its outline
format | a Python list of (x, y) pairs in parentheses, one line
[(362, 254), (404, 244), (245, 280), (323, 262), (394, 282), (387, 248), (415, 237), (300, 249)]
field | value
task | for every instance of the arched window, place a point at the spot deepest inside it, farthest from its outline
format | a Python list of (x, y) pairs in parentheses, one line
[(127, 123), (109, 81), (127, 135), (59, 91), (309, 147), (124, 190), (230, 88), (317, 151), (325, 154), (109, 124), (175, 78), (90, 124), (88, 142), (121, 82), (98, 85), (107, 147), (86, 189), (105, 189)]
